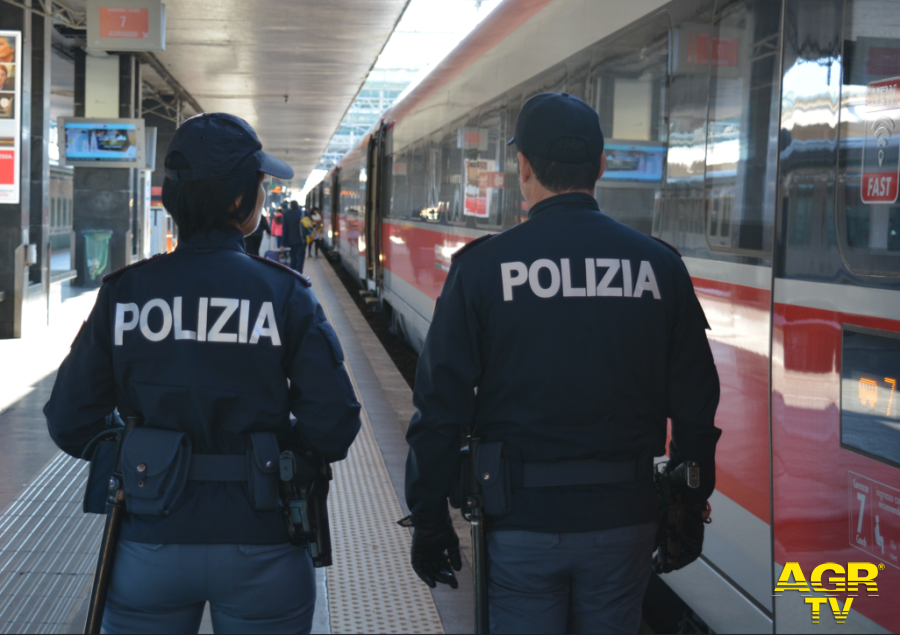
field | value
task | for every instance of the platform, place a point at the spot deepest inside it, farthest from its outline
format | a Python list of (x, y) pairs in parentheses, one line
[(48, 547)]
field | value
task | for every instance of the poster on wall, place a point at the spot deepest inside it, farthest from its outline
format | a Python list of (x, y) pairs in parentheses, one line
[(481, 180), (10, 115)]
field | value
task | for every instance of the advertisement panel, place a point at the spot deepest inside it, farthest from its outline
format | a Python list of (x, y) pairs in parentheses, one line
[(881, 152), (10, 114)]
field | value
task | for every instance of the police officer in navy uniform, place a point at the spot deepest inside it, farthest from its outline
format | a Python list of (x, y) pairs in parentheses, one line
[(213, 349), (565, 343)]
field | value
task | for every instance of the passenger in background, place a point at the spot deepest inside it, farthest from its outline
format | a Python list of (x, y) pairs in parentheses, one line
[(295, 235), (277, 226), (254, 240), (317, 219), (564, 344), (312, 238), (213, 350)]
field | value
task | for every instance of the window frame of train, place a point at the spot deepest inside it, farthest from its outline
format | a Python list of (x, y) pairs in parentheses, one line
[(735, 223), (606, 83), (856, 251)]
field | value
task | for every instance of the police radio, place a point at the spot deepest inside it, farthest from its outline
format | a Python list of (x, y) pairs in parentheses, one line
[(304, 482)]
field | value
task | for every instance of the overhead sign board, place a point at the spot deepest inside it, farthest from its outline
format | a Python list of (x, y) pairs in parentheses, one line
[(10, 115), (126, 25), (881, 152)]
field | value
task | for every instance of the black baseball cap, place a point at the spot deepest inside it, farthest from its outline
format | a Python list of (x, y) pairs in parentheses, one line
[(218, 146), (558, 127)]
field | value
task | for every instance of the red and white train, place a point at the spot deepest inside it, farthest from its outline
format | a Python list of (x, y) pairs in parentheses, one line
[(761, 138)]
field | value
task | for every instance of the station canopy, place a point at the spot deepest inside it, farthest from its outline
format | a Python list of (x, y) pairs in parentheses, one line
[(290, 68)]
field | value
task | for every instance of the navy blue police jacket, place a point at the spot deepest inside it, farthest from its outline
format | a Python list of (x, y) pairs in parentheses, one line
[(214, 343), (570, 337)]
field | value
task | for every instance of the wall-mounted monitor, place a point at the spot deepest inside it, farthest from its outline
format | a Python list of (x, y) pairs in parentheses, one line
[(634, 161), (102, 143)]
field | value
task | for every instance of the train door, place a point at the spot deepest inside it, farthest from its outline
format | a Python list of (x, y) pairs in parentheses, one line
[(836, 322), (374, 184), (334, 202)]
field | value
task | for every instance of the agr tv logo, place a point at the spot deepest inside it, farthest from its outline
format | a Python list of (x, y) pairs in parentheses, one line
[(846, 581)]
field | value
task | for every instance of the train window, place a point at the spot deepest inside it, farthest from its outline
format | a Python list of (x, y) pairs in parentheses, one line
[(870, 403), (629, 79), (399, 207), (742, 51), (868, 209), (516, 210), (489, 170)]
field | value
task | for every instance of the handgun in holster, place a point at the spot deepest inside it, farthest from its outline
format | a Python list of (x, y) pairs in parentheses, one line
[(304, 481), (679, 539)]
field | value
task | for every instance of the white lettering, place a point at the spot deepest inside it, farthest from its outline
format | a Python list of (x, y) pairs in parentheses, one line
[(509, 281), (121, 324), (533, 273), (603, 289), (245, 319), (568, 290), (230, 305), (163, 333), (180, 333), (260, 329), (202, 311), (646, 281), (626, 278), (590, 276)]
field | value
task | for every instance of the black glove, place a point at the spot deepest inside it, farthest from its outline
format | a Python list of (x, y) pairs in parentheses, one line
[(435, 549)]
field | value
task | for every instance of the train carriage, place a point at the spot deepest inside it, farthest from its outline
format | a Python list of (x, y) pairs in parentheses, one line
[(761, 138)]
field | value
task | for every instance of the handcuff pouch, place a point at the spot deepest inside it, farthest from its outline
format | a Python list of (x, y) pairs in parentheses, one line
[(155, 466), (262, 471), (493, 475)]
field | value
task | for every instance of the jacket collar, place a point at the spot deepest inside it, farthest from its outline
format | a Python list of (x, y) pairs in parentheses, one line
[(569, 200), (230, 239)]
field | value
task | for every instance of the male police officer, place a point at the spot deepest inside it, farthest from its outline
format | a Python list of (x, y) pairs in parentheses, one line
[(214, 349), (566, 342)]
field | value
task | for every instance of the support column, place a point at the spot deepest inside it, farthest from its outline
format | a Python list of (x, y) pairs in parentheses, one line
[(104, 198), (40, 159), (15, 220)]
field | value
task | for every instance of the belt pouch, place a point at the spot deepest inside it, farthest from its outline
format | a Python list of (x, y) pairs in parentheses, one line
[(461, 488), (262, 471), (103, 462), (155, 466), (493, 475)]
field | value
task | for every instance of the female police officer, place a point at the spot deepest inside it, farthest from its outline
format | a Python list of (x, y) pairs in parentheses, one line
[(213, 349)]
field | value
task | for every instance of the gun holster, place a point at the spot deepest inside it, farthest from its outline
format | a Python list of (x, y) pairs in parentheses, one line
[(679, 539), (304, 483)]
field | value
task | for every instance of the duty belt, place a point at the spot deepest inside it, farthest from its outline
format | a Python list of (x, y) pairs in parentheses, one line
[(585, 472), (218, 467)]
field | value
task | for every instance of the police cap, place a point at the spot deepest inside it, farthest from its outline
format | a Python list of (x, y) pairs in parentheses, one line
[(217, 146), (558, 127)]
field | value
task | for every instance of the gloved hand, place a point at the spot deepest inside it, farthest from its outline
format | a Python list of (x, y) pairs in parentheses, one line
[(435, 549)]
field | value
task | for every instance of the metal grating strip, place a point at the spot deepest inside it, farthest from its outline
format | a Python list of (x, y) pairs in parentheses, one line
[(48, 549), (371, 586)]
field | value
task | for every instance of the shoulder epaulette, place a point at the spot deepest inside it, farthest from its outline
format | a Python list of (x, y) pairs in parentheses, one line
[(303, 279), (665, 244), (459, 252), (120, 271)]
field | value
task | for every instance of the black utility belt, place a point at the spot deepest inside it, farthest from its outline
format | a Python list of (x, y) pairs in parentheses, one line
[(498, 476), (157, 463)]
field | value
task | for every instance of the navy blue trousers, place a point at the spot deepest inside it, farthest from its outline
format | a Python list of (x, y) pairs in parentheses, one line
[(591, 582), (298, 255), (250, 589)]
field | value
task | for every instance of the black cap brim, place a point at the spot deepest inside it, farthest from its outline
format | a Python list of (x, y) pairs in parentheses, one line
[(511, 141), (275, 167)]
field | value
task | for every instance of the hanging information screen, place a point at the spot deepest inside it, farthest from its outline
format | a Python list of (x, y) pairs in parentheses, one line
[(10, 115)]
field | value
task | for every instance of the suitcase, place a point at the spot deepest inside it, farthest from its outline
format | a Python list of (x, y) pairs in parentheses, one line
[(283, 256)]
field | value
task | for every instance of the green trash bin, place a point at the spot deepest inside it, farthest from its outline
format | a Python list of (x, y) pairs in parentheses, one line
[(96, 252)]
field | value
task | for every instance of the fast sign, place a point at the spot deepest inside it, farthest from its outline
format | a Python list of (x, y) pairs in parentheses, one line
[(881, 152)]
